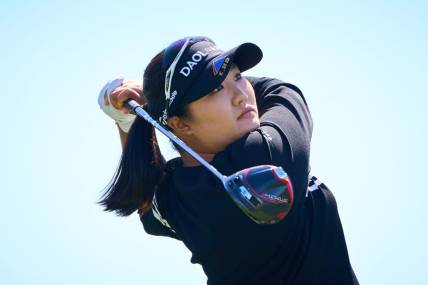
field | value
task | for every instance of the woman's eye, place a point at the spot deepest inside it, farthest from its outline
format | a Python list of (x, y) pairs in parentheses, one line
[(237, 77)]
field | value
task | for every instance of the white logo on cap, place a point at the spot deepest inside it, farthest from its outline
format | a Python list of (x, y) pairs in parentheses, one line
[(174, 93), (196, 58)]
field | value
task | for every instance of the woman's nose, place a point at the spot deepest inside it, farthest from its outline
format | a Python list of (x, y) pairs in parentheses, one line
[(239, 96)]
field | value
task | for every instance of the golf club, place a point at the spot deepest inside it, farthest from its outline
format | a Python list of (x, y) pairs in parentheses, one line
[(264, 193)]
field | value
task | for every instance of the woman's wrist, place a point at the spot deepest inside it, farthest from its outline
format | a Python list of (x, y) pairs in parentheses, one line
[(124, 121)]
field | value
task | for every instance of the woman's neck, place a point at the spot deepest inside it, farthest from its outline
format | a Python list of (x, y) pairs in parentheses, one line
[(188, 160)]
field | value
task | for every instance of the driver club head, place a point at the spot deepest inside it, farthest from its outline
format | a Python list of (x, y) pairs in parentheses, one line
[(264, 193)]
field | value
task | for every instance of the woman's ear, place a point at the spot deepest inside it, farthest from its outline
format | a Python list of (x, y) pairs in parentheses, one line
[(180, 126)]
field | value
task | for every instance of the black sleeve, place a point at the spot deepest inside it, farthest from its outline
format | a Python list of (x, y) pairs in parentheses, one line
[(155, 224), (283, 138), (273, 95)]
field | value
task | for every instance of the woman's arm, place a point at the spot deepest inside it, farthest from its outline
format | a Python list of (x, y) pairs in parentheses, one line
[(283, 138), (285, 128), (122, 91), (123, 136)]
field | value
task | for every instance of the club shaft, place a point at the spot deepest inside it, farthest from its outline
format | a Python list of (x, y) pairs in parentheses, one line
[(139, 111)]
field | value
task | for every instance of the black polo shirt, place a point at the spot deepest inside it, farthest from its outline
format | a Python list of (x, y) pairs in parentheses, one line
[(307, 247)]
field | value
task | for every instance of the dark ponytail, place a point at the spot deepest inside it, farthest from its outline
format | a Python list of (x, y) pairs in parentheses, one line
[(139, 173), (142, 166)]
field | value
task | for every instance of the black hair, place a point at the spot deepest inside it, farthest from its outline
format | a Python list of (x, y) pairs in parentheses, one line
[(142, 167)]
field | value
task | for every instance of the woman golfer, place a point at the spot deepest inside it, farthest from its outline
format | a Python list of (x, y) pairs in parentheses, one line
[(197, 91)]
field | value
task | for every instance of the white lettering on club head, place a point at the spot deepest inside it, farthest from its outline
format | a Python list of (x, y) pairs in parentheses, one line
[(245, 192)]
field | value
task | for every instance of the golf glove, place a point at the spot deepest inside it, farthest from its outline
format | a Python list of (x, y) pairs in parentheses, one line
[(124, 121)]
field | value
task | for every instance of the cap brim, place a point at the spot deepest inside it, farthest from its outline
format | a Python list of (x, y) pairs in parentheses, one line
[(245, 56)]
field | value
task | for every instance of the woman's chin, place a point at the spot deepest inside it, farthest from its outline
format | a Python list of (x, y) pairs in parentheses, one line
[(250, 125)]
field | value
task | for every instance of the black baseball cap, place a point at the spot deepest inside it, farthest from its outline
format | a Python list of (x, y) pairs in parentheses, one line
[(196, 66)]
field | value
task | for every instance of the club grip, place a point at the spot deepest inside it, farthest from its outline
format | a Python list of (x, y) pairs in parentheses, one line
[(131, 105)]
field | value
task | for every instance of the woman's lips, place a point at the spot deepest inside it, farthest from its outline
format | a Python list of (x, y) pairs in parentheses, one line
[(246, 113)]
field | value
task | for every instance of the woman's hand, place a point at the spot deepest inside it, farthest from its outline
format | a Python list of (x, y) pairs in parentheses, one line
[(130, 89), (112, 97)]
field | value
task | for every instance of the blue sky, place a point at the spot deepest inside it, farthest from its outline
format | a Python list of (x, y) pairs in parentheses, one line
[(361, 65)]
